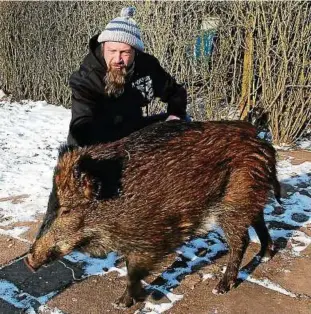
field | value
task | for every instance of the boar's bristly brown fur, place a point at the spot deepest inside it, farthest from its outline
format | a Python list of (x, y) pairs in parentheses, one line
[(144, 195)]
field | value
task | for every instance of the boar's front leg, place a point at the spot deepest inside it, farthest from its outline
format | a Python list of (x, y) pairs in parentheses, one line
[(134, 291)]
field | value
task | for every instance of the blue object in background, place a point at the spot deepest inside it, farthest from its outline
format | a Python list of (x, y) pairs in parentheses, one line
[(204, 44)]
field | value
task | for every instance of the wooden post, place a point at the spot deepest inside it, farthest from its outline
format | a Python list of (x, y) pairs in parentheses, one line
[(247, 78)]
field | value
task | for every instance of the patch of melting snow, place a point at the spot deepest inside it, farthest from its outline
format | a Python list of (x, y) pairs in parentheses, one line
[(21, 300), (265, 283), (45, 309), (253, 235), (296, 207), (30, 135), (207, 276), (96, 266), (305, 144), (245, 276), (294, 174), (15, 232), (152, 308), (296, 211), (213, 242)]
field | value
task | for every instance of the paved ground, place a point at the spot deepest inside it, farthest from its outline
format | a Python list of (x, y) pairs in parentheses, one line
[(95, 294)]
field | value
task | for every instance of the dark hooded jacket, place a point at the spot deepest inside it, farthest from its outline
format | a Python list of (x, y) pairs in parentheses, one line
[(97, 117)]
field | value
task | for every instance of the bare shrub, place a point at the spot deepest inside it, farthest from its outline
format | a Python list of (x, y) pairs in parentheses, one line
[(283, 81), (260, 61)]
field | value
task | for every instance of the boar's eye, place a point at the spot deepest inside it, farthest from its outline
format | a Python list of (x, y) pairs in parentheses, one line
[(64, 210)]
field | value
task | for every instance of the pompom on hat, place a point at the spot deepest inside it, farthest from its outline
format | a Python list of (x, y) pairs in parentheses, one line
[(123, 29)]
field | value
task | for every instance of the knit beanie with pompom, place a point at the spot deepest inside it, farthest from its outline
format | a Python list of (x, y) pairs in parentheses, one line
[(123, 29)]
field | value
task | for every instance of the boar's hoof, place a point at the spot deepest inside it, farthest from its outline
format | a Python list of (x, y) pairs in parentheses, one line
[(119, 306), (223, 287), (268, 253), (26, 261), (124, 301), (122, 304)]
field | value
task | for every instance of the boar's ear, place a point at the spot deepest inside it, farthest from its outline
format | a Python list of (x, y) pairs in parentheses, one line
[(100, 178)]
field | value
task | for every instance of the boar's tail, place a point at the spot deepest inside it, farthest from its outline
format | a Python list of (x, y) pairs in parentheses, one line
[(277, 189), (273, 171)]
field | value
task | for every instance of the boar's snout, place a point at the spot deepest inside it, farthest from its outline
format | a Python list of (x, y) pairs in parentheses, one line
[(28, 260), (38, 257)]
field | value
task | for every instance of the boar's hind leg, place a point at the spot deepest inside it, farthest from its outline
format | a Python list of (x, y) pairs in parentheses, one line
[(267, 247), (237, 238), (134, 291)]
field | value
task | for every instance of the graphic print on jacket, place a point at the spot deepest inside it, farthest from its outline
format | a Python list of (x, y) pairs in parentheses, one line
[(145, 87)]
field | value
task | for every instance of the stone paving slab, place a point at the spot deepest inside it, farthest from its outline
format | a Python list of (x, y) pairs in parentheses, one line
[(94, 295), (247, 298), (292, 273), (47, 279), (10, 248), (6, 308)]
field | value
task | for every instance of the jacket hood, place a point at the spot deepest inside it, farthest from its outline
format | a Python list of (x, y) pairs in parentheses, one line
[(94, 59)]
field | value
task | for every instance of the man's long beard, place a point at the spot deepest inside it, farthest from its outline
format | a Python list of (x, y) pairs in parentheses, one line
[(114, 81)]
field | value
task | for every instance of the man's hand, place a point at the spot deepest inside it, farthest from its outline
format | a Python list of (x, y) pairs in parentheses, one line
[(171, 118)]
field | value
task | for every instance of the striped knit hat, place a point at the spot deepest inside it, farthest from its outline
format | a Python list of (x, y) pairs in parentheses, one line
[(123, 29)]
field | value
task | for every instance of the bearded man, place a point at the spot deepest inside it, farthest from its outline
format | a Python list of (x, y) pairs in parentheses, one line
[(115, 81)]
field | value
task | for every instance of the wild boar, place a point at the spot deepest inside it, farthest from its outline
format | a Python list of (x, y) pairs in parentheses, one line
[(146, 194)]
